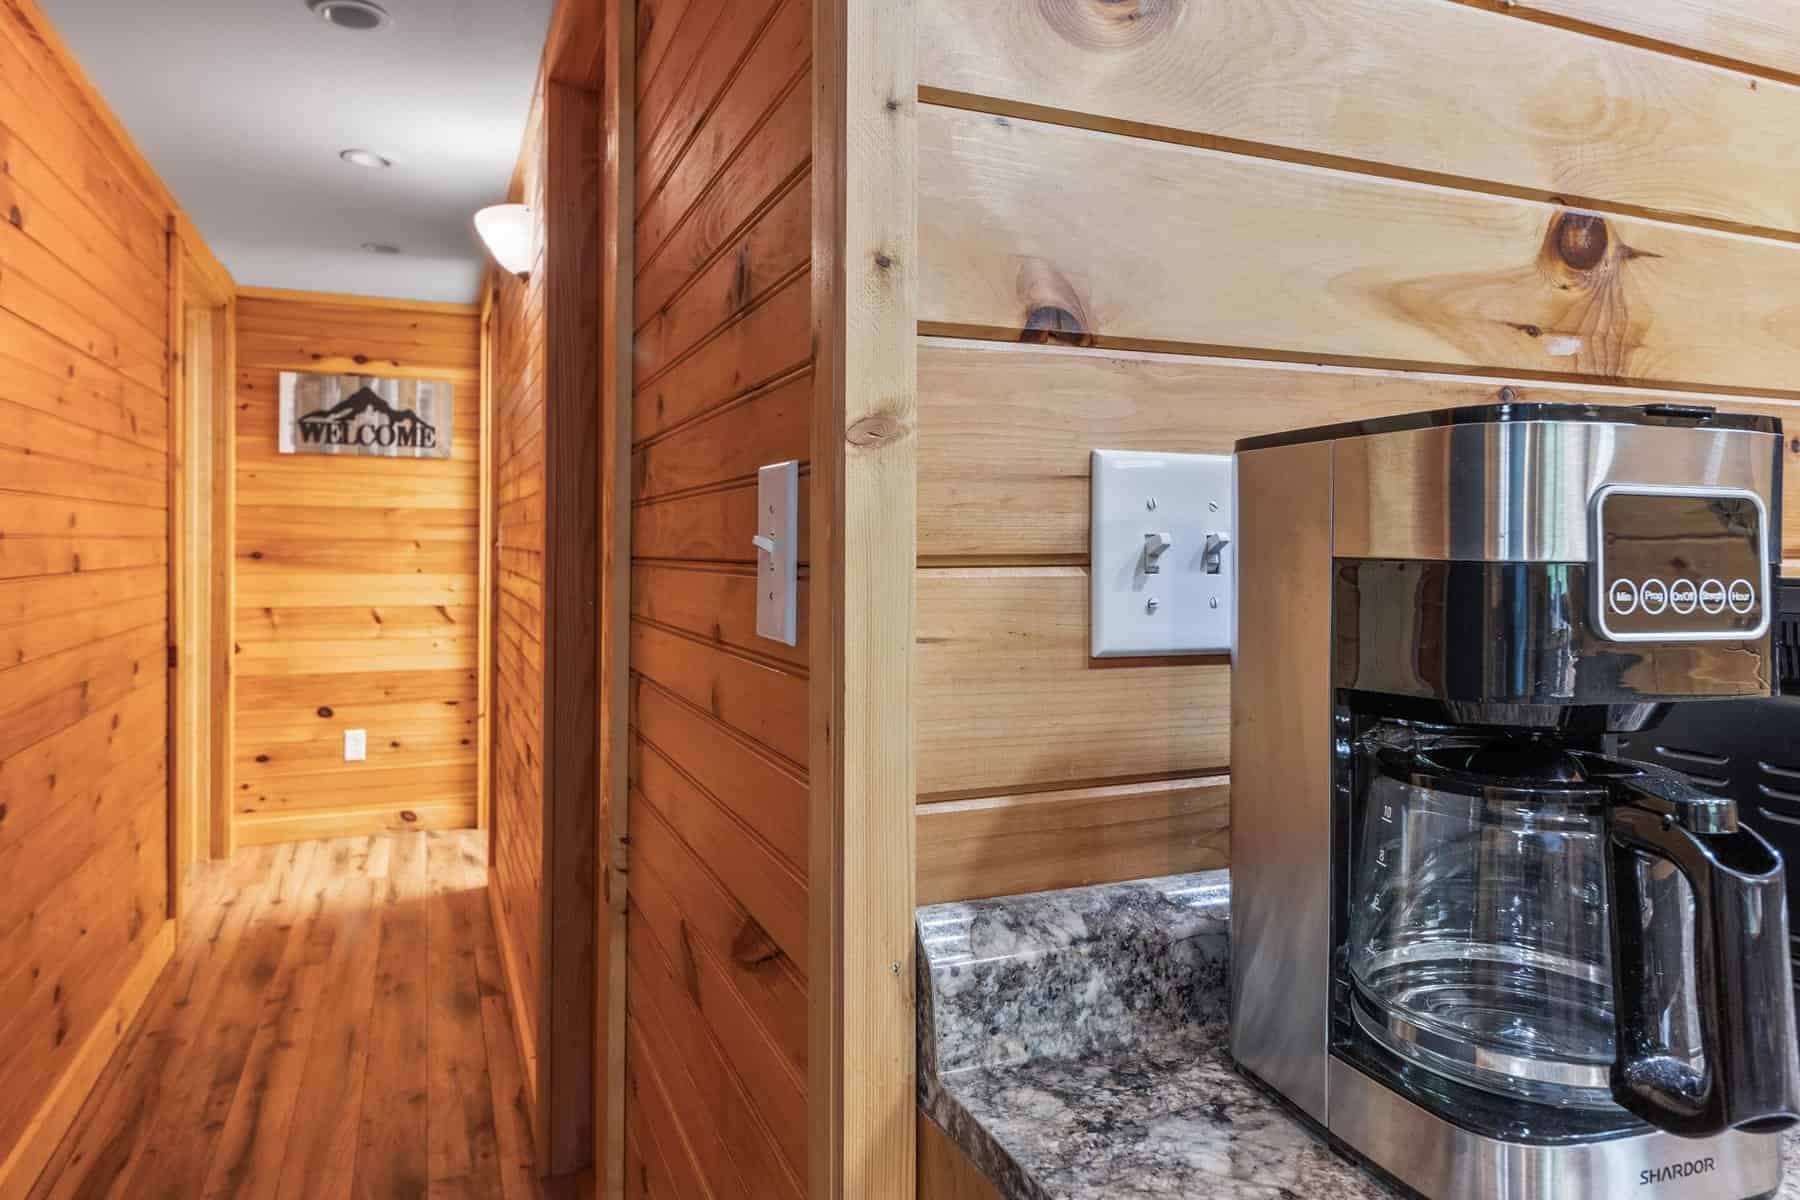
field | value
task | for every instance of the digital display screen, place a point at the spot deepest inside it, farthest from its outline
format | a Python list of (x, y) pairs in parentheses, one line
[(1680, 566)]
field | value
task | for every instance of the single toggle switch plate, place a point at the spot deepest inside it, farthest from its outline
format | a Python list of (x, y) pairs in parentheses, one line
[(778, 551), (1176, 599)]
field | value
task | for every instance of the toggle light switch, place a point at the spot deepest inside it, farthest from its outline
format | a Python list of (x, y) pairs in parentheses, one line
[(1212, 555), (1155, 546), (777, 545)]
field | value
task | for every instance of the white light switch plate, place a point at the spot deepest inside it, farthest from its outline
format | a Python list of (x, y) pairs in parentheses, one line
[(778, 551), (1182, 607), (356, 745)]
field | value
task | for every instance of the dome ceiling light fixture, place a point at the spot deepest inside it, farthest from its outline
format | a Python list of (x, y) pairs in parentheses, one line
[(358, 157), (360, 16), (505, 229)]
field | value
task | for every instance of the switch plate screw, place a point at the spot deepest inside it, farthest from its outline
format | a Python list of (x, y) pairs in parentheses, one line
[(1213, 603), (1212, 506), (1150, 504), (1152, 604)]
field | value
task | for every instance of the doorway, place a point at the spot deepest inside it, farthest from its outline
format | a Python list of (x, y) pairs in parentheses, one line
[(200, 505)]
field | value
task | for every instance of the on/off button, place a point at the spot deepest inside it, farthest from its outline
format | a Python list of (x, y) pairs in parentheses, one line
[(1623, 597)]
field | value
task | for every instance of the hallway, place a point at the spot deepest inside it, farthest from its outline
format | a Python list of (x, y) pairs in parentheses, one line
[(334, 1024)]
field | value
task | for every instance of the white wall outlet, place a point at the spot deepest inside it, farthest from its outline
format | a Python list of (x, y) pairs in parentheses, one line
[(1162, 574), (356, 745), (778, 551)]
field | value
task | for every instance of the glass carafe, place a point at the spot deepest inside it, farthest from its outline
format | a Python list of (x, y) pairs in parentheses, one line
[(1571, 930)]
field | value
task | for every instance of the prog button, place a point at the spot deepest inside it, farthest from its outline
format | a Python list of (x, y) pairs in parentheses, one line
[(1653, 594)]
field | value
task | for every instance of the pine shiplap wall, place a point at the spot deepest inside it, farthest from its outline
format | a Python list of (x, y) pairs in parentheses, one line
[(516, 878), (716, 1050), (546, 421), (1155, 225), (356, 584), (84, 591)]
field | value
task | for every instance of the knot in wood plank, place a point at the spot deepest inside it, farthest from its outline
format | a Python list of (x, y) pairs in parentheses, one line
[(878, 429), (1110, 25), (1055, 310), (1579, 240)]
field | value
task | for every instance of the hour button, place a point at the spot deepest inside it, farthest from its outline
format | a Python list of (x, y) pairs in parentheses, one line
[(1623, 597), (1741, 595)]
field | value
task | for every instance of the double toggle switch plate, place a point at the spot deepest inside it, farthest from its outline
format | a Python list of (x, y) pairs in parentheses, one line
[(1161, 564)]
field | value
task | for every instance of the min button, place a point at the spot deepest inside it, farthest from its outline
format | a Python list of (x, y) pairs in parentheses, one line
[(1624, 597)]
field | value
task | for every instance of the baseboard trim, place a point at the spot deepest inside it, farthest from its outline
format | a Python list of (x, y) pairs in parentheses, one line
[(19, 1171)]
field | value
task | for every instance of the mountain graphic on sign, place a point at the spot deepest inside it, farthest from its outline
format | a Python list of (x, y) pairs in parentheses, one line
[(360, 403)]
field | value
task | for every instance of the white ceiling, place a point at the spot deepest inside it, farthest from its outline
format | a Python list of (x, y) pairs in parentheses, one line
[(243, 105)]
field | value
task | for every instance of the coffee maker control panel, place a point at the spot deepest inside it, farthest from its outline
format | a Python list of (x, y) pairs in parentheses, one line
[(1680, 564)]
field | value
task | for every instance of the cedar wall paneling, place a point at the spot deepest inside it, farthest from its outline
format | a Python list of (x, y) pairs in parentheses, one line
[(356, 585), (545, 371), (84, 592), (1163, 226), (716, 1025)]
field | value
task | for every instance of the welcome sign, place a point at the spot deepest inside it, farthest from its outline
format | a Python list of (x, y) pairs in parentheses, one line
[(365, 415)]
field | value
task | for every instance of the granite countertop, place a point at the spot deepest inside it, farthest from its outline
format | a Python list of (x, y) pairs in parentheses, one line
[(1074, 1045)]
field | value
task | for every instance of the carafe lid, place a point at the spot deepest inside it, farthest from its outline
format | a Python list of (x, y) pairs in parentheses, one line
[(1531, 759), (1503, 768)]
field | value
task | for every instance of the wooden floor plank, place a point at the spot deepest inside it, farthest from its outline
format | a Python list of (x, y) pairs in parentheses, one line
[(249, 1156), (332, 1026), (464, 1154), (390, 1153)]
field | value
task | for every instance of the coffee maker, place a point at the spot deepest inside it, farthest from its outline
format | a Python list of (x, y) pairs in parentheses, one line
[(1481, 951)]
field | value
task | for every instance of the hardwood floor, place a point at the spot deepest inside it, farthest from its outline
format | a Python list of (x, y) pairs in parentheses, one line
[(334, 1025)]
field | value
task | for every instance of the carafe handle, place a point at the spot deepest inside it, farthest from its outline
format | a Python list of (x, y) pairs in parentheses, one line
[(1744, 992)]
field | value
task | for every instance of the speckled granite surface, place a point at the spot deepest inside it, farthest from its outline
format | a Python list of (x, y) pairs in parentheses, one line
[(1074, 1045)]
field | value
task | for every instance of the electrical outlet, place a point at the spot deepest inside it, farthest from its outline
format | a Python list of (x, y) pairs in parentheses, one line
[(356, 745)]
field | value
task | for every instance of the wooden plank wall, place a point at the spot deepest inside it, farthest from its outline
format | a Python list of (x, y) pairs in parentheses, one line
[(1167, 226), (356, 585), (546, 362), (85, 297), (515, 880), (716, 1050)]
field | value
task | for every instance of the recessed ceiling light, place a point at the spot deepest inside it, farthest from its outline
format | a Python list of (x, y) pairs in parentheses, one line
[(381, 247), (364, 158), (359, 15)]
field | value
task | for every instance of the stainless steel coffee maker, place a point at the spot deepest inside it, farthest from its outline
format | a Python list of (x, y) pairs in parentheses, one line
[(1480, 950)]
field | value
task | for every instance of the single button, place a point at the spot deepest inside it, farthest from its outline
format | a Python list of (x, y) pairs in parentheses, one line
[(1742, 595), (1712, 596), (1653, 594), (1683, 595), (1623, 598)]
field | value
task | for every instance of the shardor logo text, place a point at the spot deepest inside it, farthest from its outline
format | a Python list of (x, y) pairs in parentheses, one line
[(365, 419), (1680, 1170)]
